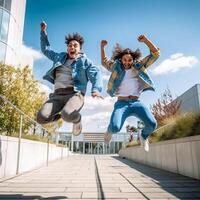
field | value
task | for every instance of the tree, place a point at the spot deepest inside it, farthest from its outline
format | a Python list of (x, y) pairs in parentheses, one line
[(131, 128), (165, 107), (19, 87)]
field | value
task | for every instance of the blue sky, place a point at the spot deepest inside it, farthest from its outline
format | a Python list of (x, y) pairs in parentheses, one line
[(172, 25)]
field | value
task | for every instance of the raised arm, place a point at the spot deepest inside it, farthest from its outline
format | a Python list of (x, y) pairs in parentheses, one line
[(104, 60), (154, 52), (152, 47), (44, 43)]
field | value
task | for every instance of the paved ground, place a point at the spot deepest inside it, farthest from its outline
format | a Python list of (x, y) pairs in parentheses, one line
[(99, 177)]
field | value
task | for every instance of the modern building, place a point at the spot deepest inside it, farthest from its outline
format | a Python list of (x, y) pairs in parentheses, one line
[(12, 13), (190, 100), (93, 143)]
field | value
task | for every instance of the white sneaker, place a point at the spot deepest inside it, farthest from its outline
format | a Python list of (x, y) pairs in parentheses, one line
[(144, 143), (107, 138), (77, 128)]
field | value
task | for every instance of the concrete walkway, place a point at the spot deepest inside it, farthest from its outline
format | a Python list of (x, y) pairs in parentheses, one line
[(99, 177)]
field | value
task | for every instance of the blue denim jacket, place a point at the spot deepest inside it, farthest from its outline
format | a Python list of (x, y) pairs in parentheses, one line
[(139, 68), (82, 68)]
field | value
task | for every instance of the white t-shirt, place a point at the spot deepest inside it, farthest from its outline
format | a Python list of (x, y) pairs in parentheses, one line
[(129, 85)]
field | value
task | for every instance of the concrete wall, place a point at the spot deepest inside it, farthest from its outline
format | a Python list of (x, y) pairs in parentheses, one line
[(32, 155), (180, 156)]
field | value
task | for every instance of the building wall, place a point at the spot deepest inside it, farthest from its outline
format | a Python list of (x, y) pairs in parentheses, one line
[(190, 100), (180, 156), (12, 13), (32, 155)]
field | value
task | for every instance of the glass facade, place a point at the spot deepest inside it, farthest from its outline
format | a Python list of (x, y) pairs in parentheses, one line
[(4, 26), (12, 14), (1, 14), (2, 52), (5, 6), (2, 3)]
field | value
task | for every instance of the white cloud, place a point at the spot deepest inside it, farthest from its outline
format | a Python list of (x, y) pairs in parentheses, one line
[(105, 74), (97, 122), (105, 77), (175, 63), (96, 115), (29, 55), (98, 103), (104, 70), (45, 88)]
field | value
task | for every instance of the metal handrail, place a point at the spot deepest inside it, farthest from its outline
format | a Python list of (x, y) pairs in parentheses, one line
[(21, 112), (22, 115)]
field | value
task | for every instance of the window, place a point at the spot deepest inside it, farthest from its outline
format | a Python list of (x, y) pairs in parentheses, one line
[(2, 3), (1, 13), (2, 52), (6, 4), (4, 26)]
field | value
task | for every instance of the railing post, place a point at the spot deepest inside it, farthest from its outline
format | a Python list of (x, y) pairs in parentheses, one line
[(72, 143), (83, 147), (62, 150), (19, 143), (124, 142), (47, 163)]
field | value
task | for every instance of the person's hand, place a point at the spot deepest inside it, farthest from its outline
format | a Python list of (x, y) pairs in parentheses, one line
[(96, 94), (43, 26), (142, 38), (104, 43)]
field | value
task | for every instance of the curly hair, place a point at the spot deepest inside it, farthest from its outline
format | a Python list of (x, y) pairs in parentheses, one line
[(119, 52), (74, 36)]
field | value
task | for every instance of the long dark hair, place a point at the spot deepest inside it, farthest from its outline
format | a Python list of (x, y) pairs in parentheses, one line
[(119, 52)]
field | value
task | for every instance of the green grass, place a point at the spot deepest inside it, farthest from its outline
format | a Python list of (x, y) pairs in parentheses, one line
[(132, 143)]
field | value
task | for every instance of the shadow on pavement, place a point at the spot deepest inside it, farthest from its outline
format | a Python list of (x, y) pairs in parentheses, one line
[(178, 185)]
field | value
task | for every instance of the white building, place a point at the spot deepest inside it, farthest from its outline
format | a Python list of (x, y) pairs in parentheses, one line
[(190, 100), (93, 143), (12, 13)]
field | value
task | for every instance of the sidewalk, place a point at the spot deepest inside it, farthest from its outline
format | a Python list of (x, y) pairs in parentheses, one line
[(76, 177)]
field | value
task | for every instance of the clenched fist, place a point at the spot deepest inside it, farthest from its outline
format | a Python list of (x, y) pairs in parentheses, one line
[(43, 26), (104, 43), (142, 38)]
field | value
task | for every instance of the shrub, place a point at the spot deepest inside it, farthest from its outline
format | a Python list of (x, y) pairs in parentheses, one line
[(179, 127), (184, 126)]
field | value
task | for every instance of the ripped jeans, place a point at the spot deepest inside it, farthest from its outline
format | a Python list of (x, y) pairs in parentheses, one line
[(65, 104)]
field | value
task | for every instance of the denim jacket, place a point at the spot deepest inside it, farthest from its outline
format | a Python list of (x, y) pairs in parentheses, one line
[(139, 68), (82, 68)]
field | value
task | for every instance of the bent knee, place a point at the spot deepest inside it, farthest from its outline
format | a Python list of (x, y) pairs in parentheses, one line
[(70, 117), (152, 124), (42, 119)]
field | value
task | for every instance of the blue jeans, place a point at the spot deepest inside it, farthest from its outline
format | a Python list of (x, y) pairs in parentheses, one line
[(127, 108)]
